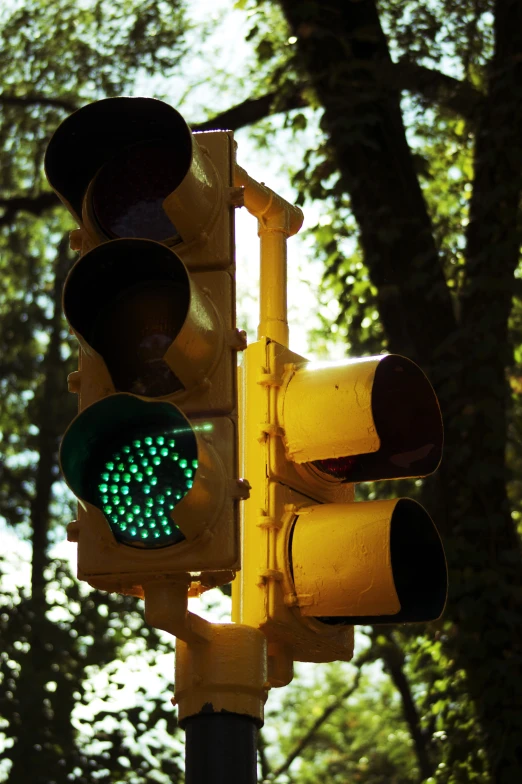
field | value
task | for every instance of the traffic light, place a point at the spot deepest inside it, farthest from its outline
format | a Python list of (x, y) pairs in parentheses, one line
[(152, 454), (316, 562)]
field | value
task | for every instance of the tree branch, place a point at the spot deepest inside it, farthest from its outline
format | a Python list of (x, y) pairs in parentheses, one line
[(36, 205), (393, 658), (452, 94), (318, 723), (261, 748), (253, 110), (37, 100), (458, 97)]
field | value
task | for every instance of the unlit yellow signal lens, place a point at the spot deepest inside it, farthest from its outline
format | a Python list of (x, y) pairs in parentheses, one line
[(129, 300), (135, 331)]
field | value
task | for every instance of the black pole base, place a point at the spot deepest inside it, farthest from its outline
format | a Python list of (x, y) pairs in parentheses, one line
[(220, 748)]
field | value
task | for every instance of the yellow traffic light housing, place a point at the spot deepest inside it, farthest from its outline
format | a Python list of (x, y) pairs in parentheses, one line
[(152, 455), (131, 168), (314, 561), (158, 329)]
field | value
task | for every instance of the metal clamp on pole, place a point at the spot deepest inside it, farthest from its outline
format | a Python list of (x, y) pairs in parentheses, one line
[(221, 686), (277, 220)]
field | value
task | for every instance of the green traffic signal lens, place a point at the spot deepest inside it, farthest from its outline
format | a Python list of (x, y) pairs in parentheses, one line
[(131, 459), (145, 517)]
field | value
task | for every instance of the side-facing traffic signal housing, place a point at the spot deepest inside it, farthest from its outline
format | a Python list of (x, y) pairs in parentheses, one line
[(152, 455), (315, 562)]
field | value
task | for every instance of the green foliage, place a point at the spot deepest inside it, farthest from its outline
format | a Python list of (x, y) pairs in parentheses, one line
[(364, 739), (450, 33), (82, 633), (405, 706), (89, 49), (447, 714), (56, 634)]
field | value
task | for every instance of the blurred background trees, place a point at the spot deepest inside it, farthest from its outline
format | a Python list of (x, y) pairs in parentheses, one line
[(399, 125)]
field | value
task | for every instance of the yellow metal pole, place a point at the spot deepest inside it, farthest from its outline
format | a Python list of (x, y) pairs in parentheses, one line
[(277, 220), (273, 321)]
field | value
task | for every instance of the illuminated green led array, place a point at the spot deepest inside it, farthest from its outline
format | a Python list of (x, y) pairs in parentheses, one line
[(139, 483)]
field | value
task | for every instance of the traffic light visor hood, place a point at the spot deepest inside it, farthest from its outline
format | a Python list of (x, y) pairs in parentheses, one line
[(368, 563), (366, 419), (134, 151)]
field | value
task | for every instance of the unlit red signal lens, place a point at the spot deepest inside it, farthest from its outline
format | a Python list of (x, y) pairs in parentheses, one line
[(129, 190)]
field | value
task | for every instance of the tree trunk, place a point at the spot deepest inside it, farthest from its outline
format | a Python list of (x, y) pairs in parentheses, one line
[(343, 48), (34, 755)]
